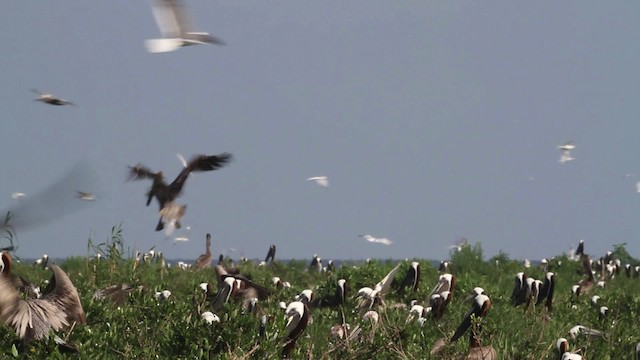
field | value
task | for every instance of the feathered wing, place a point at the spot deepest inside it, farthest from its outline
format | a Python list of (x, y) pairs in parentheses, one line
[(199, 163), (63, 293), (140, 172), (385, 283), (170, 17), (33, 318)]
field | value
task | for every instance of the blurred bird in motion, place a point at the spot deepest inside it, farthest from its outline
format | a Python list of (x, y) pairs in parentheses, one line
[(166, 193), (320, 180), (55, 201), (566, 152), (50, 99), (372, 239), (176, 28)]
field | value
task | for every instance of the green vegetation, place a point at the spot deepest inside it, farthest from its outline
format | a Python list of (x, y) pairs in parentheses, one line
[(145, 328)]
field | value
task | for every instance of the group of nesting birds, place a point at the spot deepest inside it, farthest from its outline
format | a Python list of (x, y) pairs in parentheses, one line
[(34, 314)]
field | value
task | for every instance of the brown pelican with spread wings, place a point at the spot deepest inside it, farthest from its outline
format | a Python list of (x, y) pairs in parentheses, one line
[(58, 308), (166, 193)]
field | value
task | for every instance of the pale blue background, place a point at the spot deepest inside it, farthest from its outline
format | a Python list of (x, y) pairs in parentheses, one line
[(433, 119)]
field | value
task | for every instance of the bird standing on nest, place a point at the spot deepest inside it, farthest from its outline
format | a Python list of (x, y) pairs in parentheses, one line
[(166, 193)]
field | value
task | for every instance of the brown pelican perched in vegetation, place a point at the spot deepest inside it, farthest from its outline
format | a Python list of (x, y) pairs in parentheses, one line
[(444, 266), (446, 282), (479, 309), (204, 260), (238, 287), (307, 297), (166, 193), (586, 284), (58, 308), (50, 99), (520, 291), (412, 278), (546, 292), (439, 302), (271, 254), (636, 354), (580, 249), (297, 316), (481, 305), (316, 264), (562, 345), (338, 298), (175, 28)]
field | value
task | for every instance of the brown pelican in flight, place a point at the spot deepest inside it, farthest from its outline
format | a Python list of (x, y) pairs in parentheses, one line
[(50, 99), (166, 193), (175, 27)]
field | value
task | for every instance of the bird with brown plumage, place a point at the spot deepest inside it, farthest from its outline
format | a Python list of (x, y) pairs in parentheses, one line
[(204, 260), (166, 193), (32, 319)]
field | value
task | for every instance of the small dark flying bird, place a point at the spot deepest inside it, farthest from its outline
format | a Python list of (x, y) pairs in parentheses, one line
[(50, 99), (166, 193)]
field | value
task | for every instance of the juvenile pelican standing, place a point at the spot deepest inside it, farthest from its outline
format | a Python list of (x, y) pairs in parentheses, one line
[(204, 260)]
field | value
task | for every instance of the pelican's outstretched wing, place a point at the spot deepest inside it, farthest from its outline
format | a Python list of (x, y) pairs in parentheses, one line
[(140, 172), (201, 163)]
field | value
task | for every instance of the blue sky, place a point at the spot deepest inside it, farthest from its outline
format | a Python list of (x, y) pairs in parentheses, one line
[(433, 120)]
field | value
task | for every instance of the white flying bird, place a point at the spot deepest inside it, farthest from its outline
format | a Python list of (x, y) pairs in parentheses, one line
[(372, 239), (566, 152), (320, 180), (17, 195), (175, 27), (86, 196), (638, 186)]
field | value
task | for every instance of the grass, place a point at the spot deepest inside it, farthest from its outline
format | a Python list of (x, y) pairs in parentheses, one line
[(147, 328)]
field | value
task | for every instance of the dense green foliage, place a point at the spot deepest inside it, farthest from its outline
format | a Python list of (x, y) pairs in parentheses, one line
[(146, 328)]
